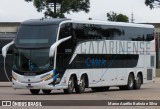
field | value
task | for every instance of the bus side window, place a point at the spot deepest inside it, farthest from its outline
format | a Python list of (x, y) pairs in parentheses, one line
[(65, 31)]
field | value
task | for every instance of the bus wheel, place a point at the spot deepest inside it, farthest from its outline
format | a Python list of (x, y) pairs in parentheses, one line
[(46, 91), (81, 87), (130, 83), (71, 85), (138, 82), (35, 91)]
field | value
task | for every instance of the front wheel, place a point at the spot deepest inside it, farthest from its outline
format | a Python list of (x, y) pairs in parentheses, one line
[(71, 85), (130, 83), (35, 91), (81, 87)]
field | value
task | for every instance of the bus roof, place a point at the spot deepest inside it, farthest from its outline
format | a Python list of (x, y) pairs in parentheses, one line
[(43, 21), (63, 20), (114, 23)]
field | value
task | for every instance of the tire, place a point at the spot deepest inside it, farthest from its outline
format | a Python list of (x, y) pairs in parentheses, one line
[(81, 87), (138, 82), (100, 89), (130, 83), (46, 91), (71, 85), (35, 91)]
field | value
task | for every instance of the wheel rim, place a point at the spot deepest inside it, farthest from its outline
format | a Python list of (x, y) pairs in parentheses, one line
[(71, 85), (131, 82), (138, 81), (82, 85)]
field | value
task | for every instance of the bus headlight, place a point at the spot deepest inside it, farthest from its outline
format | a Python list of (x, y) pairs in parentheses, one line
[(48, 77), (14, 77)]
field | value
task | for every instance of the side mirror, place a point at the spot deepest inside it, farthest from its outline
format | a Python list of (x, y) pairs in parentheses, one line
[(5, 49), (54, 46)]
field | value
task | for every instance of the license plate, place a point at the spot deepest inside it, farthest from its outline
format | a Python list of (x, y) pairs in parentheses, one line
[(29, 74)]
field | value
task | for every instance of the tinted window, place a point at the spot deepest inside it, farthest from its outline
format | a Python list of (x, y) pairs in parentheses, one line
[(91, 31), (110, 32), (138, 34), (65, 31), (28, 61), (36, 36)]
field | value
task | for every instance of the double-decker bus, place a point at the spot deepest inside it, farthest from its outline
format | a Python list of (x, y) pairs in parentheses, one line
[(67, 54)]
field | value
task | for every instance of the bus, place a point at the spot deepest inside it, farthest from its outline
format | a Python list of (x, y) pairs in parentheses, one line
[(73, 55)]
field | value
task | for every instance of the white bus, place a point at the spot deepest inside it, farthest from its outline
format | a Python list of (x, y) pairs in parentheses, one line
[(67, 54)]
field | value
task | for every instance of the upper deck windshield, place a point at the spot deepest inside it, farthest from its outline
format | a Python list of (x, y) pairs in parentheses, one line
[(35, 36)]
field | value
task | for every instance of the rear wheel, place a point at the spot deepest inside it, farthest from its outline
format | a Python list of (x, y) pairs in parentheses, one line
[(46, 91), (130, 83), (35, 91), (138, 82), (81, 87), (71, 85)]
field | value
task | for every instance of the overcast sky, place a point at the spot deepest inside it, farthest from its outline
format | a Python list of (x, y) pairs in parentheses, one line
[(18, 10)]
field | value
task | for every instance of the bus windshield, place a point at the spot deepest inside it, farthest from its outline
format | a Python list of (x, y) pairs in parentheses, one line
[(28, 60)]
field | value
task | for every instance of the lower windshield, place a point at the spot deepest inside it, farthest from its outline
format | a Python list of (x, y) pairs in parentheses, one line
[(32, 60)]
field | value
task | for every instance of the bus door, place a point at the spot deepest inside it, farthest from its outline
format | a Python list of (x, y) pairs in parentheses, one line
[(64, 55)]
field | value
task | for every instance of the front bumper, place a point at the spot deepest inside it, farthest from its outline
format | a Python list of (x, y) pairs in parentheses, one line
[(39, 85)]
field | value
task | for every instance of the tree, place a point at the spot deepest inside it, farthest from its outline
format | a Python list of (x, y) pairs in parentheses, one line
[(153, 3), (112, 16), (65, 6)]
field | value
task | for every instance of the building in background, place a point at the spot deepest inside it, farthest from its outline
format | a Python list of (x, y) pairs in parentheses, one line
[(8, 32)]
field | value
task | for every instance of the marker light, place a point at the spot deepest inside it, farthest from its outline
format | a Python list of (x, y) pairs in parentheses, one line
[(48, 77)]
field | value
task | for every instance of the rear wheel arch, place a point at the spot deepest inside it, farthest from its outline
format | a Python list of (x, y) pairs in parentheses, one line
[(131, 73)]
